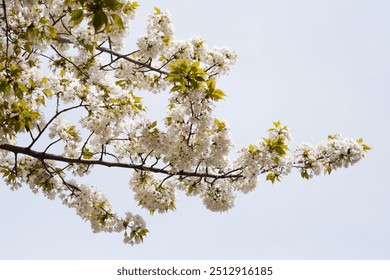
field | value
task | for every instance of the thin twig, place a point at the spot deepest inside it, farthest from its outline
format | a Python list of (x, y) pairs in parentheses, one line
[(69, 61), (51, 120)]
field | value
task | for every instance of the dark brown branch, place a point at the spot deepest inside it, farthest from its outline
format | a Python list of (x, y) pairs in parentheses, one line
[(85, 144), (72, 188), (69, 61), (51, 144), (57, 20), (146, 65), (51, 120), (115, 60), (6, 35), (118, 55), (47, 156)]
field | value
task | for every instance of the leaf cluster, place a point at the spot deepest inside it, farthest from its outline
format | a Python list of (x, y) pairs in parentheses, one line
[(102, 13), (187, 76)]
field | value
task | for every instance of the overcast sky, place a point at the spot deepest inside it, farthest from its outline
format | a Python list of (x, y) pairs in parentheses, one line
[(321, 67)]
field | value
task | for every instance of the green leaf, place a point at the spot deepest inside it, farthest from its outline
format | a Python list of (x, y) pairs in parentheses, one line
[(27, 46), (130, 7), (18, 92), (199, 78), (271, 177), (47, 92), (153, 124), (366, 148), (77, 16), (22, 87), (72, 132), (220, 125), (132, 235), (17, 126), (211, 85), (215, 94), (169, 120), (137, 99), (52, 32), (218, 94), (87, 154), (277, 124), (113, 5), (166, 40), (41, 100), (99, 19), (305, 175), (118, 21), (157, 10), (195, 64), (43, 20)]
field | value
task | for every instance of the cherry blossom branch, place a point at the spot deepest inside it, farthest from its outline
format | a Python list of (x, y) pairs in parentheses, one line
[(47, 156), (69, 61), (119, 56), (146, 65), (6, 33), (51, 120)]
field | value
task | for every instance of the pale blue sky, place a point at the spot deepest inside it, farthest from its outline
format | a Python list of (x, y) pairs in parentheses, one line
[(320, 67)]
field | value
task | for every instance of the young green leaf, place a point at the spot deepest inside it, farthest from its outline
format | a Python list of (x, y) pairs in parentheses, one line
[(305, 175), (113, 5), (22, 87), (118, 21), (217, 95), (271, 177), (157, 10), (77, 16), (220, 125), (99, 19), (47, 92)]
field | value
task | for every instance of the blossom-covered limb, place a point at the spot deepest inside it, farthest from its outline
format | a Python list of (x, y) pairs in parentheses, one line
[(231, 174), (88, 108)]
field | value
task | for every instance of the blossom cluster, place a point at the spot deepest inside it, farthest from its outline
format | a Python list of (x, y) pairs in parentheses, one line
[(329, 155), (159, 31), (153, 194)]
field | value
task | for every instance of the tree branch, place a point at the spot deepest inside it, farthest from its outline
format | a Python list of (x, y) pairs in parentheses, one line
[(146, 65), (69, 61), (51, 120), (47, 156), (6, 35), (119, 56)]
